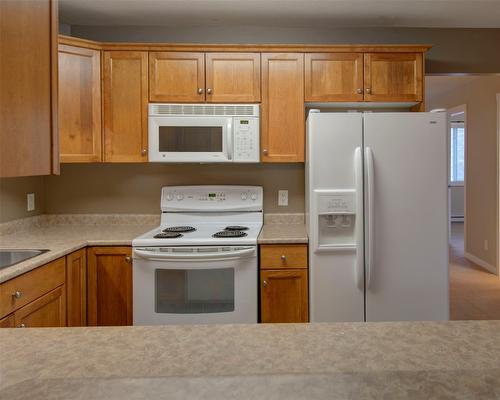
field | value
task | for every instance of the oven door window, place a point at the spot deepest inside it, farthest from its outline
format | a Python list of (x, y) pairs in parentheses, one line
[(190, 139), (180, 291)]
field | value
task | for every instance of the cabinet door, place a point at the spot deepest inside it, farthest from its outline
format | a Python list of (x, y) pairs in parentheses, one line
[(76, 288), (125, 97), (282, 111), (393, 76), (46, 311), (334, 77), (233, 77), (28, 89), (109, 286), (79, 104), (284, 295), (177, 77), (8, 322)]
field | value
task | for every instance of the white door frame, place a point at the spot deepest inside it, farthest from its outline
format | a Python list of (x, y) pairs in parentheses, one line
[(461, 109), (498, 188)]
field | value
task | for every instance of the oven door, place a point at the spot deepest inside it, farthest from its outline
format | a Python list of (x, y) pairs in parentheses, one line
[(195, 285), (190, 139)]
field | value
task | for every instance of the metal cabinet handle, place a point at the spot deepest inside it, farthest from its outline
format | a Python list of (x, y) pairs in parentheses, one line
[(209, 90), (22, 326), (368, 90), (144, 152), (264, 283), (128, 259), (264, 151), (200, 90), (359, 91), (17, 294), (283, 257)]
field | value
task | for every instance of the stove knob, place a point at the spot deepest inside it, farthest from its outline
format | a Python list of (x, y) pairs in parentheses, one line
[(170, 197), (243, 196), (254, 196), (180, 197)]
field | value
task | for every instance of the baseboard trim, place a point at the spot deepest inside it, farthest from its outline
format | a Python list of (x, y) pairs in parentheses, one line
[(481, 263)]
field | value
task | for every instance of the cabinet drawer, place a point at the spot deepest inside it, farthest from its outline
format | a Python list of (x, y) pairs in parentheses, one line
[(283, 256), (31, 285)]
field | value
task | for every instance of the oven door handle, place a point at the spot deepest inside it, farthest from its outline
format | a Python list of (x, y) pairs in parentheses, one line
[(153, 255)]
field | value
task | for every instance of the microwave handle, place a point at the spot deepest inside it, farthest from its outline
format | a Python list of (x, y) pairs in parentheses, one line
[(229, 140)]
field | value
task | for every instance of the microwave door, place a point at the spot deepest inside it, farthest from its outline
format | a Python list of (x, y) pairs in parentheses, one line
[(190, 139)]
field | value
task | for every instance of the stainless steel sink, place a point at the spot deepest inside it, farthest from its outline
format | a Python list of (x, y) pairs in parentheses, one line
[(10, 257)]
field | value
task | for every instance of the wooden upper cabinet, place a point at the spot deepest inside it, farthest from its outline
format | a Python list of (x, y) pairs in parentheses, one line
[(176, 77), (28, 92), (334, 77), (282, 110), (233, 77), (79, 104), (125, 98), (393, 76), (109, 286)]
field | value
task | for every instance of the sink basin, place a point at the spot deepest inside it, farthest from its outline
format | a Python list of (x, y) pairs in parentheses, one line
[(11, 257)]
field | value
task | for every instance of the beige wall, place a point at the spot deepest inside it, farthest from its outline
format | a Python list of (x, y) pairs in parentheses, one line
[(13, 193), (454, 50), (481, 172), (135, 188)]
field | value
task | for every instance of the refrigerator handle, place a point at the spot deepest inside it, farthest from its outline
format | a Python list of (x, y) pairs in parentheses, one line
[(370, 218), (358, 177)]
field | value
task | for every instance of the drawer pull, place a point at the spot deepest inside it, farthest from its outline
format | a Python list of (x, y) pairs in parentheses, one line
[(17, 294), (264, 283), (128, 259), (283, 257), (22, 326)]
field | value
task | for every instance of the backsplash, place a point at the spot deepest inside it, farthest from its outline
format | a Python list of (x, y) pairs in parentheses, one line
[(13, 193), (135, 188)]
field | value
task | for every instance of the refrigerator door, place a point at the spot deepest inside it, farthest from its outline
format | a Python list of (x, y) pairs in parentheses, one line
[(406, 236), (335, 216)]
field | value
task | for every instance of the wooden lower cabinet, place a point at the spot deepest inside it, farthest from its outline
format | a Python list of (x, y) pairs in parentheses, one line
[(76, 288), (8, 322), (284, 283), (284, 295), (46, 311), (109, 286)]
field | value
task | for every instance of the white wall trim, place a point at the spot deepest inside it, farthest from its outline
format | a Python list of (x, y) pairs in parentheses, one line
[(481, 263), (498, 188), (460, 109)]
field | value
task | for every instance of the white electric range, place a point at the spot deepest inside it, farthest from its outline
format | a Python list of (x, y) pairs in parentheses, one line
[(200, 265)]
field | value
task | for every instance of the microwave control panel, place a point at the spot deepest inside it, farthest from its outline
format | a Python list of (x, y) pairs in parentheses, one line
[(246, 139)]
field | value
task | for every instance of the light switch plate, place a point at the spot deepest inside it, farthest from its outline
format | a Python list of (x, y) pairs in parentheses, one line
[(282, 197), (30, 199)]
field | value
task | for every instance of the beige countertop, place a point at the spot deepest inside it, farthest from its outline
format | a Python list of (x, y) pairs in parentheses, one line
[(404, 360), (283, 233), (65, 235)]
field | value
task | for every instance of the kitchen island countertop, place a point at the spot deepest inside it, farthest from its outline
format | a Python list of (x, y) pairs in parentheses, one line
[(410, 360)]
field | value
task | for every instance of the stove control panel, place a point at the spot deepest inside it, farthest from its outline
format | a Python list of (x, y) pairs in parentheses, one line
[(202, 198)]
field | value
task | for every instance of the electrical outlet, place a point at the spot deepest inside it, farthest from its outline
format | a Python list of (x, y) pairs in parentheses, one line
[(30, 199), (282, 197), (486, 245)]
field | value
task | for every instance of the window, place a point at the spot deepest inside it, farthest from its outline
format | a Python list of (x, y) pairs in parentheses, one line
[(457, 153)]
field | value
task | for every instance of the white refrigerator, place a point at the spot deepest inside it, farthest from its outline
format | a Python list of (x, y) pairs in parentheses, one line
[(376, 211)]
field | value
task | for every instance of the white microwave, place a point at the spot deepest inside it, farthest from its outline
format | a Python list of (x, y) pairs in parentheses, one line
[(182, 133)]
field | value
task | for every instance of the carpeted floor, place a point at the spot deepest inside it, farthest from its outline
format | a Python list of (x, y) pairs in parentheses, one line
[(474, 292)]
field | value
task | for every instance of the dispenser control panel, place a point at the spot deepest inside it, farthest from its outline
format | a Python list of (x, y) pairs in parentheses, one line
[(337, 203)]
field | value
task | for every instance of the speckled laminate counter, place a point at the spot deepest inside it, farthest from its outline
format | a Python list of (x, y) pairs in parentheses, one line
[(283, 233), (405, 360), (64, 236)]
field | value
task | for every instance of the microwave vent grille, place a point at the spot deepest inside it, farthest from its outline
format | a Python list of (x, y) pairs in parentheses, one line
[(204, 109)]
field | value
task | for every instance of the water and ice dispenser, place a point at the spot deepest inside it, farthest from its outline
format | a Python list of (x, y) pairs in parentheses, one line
[(336, 219)]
